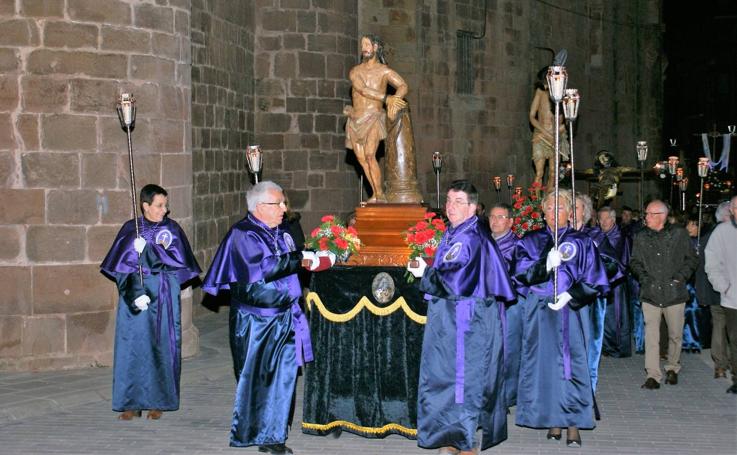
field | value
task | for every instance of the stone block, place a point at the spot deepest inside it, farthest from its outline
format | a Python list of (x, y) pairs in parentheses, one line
[(294, 161), (7, 168), (168, 136), (43, 94), (171, 101), (71, 288), (18, 32), (93, 95), (50, 170), (293, 41), (166, 45), (336, 68), (69, 35), (72, 207), (43, 335), (180, 202), (45, 61), (125, 39), (9, 60), (7, 7), (27, 126), (321, 161), (7, 135), (10, 243), (11, 333), (306, 21), (321, 43), (153, 17), (176, 169), (285, 66), (8, 92), (311, 65), (119, 207), (55, 243), (99, 170), (16, 285), (152, 68), (42, 8), (182, 22), (325, 124), (273, 123), (88, 333), (101, 11), (99, 240), (69, 132), (22, 206), (279, 20)]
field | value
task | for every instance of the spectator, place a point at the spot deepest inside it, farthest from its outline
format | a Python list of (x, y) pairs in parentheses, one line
[(662, 260), (721, 268)]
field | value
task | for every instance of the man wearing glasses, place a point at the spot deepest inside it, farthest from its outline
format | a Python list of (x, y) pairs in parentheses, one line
[(662, 261), (269, 336), (461, 378), (721, 268)]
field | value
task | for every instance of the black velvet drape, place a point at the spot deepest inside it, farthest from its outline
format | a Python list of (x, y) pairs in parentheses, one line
[(365, 373)]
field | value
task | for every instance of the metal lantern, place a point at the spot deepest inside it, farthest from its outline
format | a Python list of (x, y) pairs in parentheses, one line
[(518, 191), (557, 79), (437, 165), (497, 183), (570, 104), (679, 174), (672, 164), (703, 167), (510, 181), (641, 151), (254, 158)]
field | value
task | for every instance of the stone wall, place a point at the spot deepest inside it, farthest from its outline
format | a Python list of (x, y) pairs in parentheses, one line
[(487, 132), (304, 50), (63, 163)]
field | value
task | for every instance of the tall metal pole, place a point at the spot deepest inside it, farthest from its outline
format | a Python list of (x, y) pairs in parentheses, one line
[(703, 170), (437, 185), (570, 111), (557, 78)]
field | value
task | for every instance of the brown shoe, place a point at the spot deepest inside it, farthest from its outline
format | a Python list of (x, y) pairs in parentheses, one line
[(154, 414), (129, 415), (671, 377), (720, 373)]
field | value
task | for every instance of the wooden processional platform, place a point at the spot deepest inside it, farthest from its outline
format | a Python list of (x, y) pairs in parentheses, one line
[(380, 228)]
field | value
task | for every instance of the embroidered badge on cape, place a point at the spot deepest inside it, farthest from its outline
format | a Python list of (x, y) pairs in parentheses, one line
[(453, 252), (290, 242), (567, 250), (163, 238)]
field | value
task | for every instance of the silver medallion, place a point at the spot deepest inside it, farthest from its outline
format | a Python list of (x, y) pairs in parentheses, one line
[(383, 287)]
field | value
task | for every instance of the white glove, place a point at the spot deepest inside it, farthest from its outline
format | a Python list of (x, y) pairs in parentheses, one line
[(310, 260), (418, 271), (553, 260), (142, 302), (139, 244), (561, 301), (329, 254)]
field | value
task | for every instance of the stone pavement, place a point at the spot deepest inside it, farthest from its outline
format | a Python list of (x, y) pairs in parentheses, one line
[(69, 412)]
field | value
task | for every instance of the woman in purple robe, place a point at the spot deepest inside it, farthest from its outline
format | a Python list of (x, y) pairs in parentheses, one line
[(554, 389), (149, 271)]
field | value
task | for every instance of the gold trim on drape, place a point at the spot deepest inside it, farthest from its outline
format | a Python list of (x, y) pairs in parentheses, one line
[(313, 298), (367, 430)]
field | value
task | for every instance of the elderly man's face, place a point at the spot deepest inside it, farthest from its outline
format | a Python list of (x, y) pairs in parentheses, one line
[(655, 216), (500, 221), (271, 210), (606, 221)]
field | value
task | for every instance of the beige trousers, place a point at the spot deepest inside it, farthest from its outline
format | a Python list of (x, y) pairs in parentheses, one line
[(674, 318)]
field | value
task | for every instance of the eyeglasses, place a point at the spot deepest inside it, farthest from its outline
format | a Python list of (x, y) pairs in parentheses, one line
[(499, 217), (456, 203), (653, 213), (282, 204)]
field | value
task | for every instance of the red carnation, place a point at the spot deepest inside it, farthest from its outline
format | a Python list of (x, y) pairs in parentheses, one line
[(336, 230), (327, 219), (342, 244), (323, 244), (525, 225), (315, 232), (429, 251), (535, 215)]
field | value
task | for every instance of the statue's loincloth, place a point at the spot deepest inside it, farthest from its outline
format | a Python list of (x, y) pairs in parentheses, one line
[(544, 150), (357, 129)]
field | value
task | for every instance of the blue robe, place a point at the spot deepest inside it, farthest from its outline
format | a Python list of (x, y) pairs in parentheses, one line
[(513, 334), (259, 266), (148, 344), (617, 323), (461, 370), (555, 383)]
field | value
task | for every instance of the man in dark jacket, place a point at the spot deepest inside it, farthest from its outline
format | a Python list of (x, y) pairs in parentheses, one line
[(662, 261)]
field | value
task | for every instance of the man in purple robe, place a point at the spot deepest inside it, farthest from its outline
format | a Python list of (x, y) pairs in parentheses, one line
[(555, 385), (500, 222), (461, 403), (269, 336)]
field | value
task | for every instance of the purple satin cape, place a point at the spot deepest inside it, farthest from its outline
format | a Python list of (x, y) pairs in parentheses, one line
[(178, 257)]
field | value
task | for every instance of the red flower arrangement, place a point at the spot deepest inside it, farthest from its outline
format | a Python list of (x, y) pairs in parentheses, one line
[(332, 235), (424, 237), (527, 211)]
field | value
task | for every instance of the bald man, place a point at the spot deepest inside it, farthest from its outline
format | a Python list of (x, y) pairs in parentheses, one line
[(662, 261)]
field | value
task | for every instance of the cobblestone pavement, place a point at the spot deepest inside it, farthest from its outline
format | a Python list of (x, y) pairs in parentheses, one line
[(69, 412)]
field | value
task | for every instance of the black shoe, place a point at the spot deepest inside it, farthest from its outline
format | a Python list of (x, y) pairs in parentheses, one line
[(575, 440), (554, 435), (278, 449), (651, 384), (732, 389), (671, 377)]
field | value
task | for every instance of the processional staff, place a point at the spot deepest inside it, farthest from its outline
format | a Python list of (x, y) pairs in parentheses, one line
[(126, 108)]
